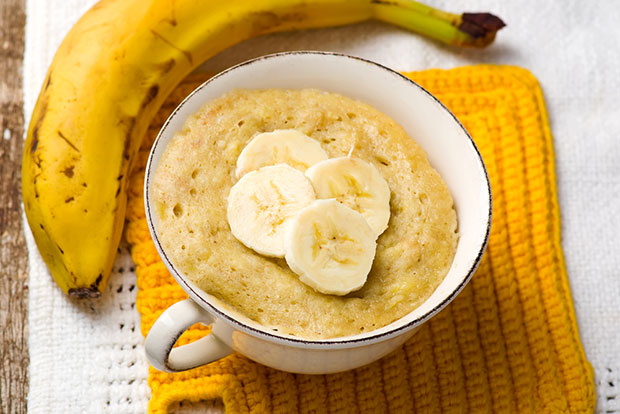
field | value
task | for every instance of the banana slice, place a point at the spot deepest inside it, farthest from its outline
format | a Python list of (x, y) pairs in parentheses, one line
[(356, 184), (283, 146), (331, 247), (262, 203)]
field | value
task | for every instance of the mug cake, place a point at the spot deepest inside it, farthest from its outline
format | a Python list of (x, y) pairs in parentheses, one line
[(249, 144)]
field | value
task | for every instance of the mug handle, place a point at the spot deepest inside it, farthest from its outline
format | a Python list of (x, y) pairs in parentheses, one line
[(169, 327)]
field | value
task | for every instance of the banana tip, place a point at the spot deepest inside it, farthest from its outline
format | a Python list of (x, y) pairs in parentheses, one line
[(84, 293)]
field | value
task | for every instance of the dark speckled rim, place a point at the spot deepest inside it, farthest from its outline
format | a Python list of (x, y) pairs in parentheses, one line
[(197, 294)]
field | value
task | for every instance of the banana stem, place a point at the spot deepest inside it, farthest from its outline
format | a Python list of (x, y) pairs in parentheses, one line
[(467, 29)]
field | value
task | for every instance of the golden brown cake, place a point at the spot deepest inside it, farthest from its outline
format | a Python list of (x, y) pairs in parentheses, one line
[(197, 170)]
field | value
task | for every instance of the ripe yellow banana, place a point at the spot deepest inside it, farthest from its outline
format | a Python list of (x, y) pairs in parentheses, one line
[(108, 78)]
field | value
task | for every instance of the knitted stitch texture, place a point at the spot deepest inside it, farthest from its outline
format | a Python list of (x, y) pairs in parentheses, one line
[(508, 343)]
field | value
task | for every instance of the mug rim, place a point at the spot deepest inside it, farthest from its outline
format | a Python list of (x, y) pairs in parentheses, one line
[(293, 341)]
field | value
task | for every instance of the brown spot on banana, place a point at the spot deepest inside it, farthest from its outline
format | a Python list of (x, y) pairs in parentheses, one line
[(129, 123), (151, 94), (35, 140), (70, 199), (64, 138), (36, 159), (185, 53), (167, 66), (48, 81), (68, 171), (95, 285), (34, 184), (170, 20), (263, 21), (37, 124)]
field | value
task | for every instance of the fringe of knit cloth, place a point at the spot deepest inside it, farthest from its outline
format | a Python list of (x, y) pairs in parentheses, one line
[(508, 343)]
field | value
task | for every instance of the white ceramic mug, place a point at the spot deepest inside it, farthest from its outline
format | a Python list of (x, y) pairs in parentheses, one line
[(450, 151)]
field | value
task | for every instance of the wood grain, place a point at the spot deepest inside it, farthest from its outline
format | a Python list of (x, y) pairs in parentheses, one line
[(13, 254)]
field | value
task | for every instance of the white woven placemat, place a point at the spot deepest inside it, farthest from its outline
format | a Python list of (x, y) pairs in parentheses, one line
[(89, 357)]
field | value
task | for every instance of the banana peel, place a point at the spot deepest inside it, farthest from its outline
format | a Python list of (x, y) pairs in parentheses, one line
[(106, 82)]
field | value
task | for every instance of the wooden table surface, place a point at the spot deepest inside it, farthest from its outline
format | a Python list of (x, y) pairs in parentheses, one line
[(13, 253)]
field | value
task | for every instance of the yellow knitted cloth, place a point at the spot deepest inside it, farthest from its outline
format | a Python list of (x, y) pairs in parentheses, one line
[(508, 343)]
